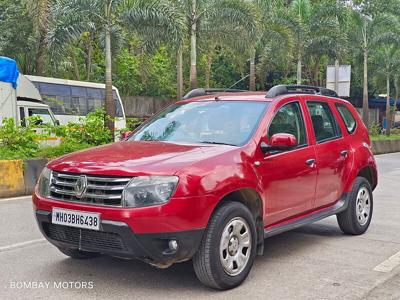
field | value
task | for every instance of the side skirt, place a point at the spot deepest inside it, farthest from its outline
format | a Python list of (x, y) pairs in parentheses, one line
[(338, 207)]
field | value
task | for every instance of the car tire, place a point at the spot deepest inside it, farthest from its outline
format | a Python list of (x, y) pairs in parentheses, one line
[(356, 218), (228, 249), (78, 254)]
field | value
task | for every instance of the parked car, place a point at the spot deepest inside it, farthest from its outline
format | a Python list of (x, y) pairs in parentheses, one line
[(209, 178)]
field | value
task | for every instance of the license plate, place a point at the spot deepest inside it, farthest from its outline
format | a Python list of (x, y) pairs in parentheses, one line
[(76, 218)]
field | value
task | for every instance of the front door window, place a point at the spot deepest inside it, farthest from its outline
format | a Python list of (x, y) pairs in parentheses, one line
[(289, 119)]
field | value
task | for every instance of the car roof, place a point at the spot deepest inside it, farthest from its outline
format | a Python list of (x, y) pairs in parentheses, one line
[(242, 96), (252, 96)]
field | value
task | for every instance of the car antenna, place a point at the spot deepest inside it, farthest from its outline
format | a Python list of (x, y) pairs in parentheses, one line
[(237, 82)]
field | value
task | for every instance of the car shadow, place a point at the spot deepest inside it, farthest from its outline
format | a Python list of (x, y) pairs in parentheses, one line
[(141, 277)]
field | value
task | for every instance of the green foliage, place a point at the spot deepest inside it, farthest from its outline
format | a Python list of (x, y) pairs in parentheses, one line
[(395, 131), (147, 74), (132, 124), (128, 77), (374, 129), (89, 130), (65, 147), (145, 36), (16, 141), (383, 137)]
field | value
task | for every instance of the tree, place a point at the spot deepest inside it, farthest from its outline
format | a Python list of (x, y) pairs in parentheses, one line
[(39, 11), (233, 29), (301, 14), (273, 30), (200, 14), (369, 32), (318, 32), (386, 50), (361, 32), (17, 34), (154, 21)]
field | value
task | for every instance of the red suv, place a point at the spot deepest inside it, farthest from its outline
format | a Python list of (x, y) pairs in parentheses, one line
[(209, 178)]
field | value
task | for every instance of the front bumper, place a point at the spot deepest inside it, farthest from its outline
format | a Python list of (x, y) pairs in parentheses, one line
[(117, 239)]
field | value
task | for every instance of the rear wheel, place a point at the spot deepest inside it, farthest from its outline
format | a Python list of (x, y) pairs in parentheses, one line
[(228, 249), (78, 254), (356, 218)]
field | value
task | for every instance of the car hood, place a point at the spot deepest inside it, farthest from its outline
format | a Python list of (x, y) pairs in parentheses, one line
[(136, 158)]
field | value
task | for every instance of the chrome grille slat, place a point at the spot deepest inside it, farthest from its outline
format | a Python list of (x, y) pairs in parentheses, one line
[(62, 191), (100, 190), (107, 188), (109, 179), (99, 196), (68, 176), (63, 183)]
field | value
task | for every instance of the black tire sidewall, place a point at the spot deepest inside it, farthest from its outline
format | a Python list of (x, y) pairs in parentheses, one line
[(231, 211), (359, 183)]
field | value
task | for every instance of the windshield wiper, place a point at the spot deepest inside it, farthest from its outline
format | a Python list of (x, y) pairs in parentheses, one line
[(216, 143)]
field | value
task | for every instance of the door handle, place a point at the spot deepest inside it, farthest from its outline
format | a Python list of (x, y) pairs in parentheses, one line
[(310, 162), (344, 153)]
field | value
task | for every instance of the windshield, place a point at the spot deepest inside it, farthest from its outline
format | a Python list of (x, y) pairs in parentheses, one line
[(214, 122), (43, 113)]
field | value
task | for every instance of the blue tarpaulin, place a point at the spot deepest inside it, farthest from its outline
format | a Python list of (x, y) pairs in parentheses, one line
[(8, 71)]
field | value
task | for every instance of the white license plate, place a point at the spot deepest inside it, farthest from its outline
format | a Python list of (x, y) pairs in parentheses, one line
[(76, 218)]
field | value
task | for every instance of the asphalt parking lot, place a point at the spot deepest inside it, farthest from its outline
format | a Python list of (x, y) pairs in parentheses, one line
[(313, 262)]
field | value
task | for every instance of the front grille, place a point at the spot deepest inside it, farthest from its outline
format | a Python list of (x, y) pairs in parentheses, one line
[(100, 190), (85, 238)]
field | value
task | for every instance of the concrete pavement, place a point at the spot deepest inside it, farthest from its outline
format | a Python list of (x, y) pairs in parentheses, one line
[(313, 262)]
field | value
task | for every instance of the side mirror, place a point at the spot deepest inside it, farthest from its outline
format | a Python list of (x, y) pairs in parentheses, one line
[(279, 142), (57, 122), (126, 134)]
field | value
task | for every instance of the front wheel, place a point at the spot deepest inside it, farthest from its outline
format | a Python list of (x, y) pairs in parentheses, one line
[(356, 218), (228, 249)]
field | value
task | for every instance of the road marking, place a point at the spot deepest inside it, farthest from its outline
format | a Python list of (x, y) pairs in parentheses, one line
[(20, 245), (389, 264), (15, 199)]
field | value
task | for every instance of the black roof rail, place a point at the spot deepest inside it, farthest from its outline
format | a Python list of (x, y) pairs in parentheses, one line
[(203, 92), (278, 90)]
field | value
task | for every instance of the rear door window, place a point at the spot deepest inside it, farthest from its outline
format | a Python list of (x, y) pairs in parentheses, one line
[(323, 121), (347, 117)]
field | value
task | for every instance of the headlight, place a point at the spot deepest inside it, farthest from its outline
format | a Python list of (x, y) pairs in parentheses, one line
[(149, 190), (44, 183)]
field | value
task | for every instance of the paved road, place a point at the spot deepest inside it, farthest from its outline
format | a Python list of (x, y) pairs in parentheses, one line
[(314, 262)]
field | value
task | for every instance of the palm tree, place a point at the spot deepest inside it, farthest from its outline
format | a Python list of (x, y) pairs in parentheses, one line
[(201, 13), (39, 11), (369, 32), (386, 50), (154, 21), (236, 32), (273, 30), (301, 14), (327, 35), (319, 31)]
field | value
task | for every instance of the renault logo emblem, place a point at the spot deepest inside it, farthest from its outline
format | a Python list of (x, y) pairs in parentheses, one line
[(80, 187)]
